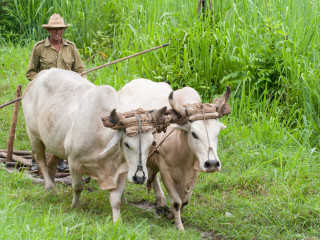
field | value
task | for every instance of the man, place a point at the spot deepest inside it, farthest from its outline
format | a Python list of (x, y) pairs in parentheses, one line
[(56, 52)]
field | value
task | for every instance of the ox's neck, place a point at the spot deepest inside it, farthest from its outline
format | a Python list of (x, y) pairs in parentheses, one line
[(180, 160), (177, 144)]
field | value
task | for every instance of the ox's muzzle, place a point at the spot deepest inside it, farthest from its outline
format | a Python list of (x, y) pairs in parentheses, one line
[(212, 165), (139, 177)]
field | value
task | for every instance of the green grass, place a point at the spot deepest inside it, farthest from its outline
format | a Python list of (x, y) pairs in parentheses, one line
[(28, 212), (269, 185)]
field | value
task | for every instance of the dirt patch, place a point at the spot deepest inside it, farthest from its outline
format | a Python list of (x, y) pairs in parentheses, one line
[(144, 204)]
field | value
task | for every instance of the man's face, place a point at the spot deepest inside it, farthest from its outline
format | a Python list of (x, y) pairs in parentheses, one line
[(56, 34)]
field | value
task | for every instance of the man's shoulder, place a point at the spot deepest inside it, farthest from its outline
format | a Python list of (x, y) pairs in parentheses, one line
[(39, 43), (69, 42)]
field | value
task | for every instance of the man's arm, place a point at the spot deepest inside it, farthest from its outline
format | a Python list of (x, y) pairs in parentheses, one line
[(33, 67), (78, 65)]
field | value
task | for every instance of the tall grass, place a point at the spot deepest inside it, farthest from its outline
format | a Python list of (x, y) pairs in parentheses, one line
[(253, 44), (256, 44), (86, 18)]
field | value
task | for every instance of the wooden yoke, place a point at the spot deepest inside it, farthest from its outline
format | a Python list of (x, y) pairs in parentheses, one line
[(129, 122)]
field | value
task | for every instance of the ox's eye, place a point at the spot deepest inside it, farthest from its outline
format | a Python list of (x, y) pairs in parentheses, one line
[(194, 135), (127, 145)]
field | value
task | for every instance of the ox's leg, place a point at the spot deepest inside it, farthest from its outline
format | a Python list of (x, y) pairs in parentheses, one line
[(40, 157), (160, 198), (153, 180), (52, 163), (175, 199), (115, 196), (77, 184), (176, 210)]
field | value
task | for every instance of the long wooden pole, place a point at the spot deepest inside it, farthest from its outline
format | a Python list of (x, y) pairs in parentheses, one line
[(125, 58), (8, 103), (17, 158), (13, 125), (17, 152)]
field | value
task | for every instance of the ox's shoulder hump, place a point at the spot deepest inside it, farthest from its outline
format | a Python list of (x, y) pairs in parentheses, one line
[(102, 96), (106, 89), (142, 83), (187, 95), (104, 93)]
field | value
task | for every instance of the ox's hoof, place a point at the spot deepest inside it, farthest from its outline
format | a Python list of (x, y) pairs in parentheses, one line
[(160, 203), (50, 188), (170, 215), (75, 205), (180, 227), (163, 210)]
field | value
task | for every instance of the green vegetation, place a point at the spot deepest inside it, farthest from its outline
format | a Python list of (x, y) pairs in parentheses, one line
[(267, 51)]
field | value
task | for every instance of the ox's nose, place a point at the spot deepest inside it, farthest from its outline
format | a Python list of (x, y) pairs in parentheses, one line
[(139, 177), (139, 180), (212, 163)]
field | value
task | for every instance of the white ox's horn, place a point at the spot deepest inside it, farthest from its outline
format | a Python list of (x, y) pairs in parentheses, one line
[(222, 103), (225, 97), (158, 113), (115, 116), (176, 106)]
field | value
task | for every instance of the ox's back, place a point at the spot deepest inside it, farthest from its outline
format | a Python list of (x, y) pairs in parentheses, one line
[(144, 93), (148, 94)]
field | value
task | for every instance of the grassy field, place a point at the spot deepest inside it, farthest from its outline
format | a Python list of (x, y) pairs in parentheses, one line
[(269, 183), (267, 51)]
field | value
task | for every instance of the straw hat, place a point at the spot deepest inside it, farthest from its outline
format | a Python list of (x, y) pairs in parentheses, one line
[(55, 21)]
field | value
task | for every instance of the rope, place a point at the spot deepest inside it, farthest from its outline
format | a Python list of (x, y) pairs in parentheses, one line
[(140, 154), (155, 150), (209, 148)]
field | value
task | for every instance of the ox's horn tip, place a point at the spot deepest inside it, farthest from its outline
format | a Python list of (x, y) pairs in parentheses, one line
[(158, 113), (163, 110), (228, 89), (115, 116), (113, 111), (171, 95)]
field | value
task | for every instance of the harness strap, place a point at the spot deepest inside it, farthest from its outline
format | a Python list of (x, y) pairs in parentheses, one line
[(155, 150), (209, 148), (140, 154), (140, 167)]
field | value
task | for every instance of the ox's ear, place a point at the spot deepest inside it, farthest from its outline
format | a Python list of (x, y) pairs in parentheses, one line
[(114, 141), (185, 127)]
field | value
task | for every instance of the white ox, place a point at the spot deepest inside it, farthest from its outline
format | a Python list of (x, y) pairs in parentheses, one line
[(186, 151), (63, 113)]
